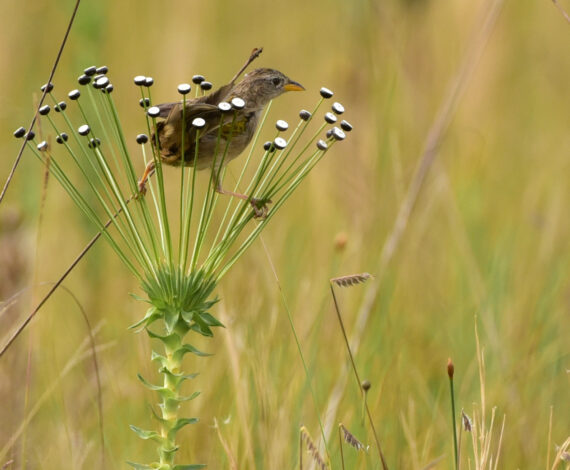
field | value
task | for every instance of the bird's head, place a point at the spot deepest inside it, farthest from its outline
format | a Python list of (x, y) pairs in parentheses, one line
[(260, 86)]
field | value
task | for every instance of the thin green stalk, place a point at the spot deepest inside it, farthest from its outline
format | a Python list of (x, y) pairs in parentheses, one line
[(354, 369), (450, 372), (301, 355)]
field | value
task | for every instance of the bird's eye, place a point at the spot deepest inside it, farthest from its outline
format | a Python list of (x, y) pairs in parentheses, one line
[(276, 81)]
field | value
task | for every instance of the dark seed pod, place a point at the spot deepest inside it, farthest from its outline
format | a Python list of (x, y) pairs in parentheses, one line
[(304, 115), (225, 107), (44, 110), (139, 80), (337, 108), (206, 85), (74, 94), (84, 79), (19, 132), (47, 86), (93, 143), (198, 123), (326, 93), (338, 134), (322, 145), (153, 111), (42, 146), (330, 118), (184, 88), (108, 89), (329, 133), (281, 125), (366, 385), (61, 138), (345, 125), (280, 143), (142, 139), (84, 129), (144, 102), (102, 70), (90, 71), (30, 135), (148, 82), (59, 107), (268, 146), (238, 103), (197, 79)]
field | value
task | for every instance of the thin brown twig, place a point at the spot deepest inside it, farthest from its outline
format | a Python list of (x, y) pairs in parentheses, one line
[(32, 123), (59, 281)]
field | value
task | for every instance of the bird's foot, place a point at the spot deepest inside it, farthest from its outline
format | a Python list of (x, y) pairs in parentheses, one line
[(141, 184), (142, 188), (260, 207)]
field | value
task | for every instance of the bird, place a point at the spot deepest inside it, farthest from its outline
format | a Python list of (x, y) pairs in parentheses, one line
[(225, 135)]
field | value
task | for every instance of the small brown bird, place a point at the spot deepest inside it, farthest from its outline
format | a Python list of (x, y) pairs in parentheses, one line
[(226, 133)]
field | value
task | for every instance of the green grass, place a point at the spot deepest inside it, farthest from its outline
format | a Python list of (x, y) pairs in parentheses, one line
[(486, 242)]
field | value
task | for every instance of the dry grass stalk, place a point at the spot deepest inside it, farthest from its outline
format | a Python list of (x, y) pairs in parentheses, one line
[(350, 439), (489, 13), (466, 420), (229, 454), (481, 435), (311, 449), (562, 11), (562, 454), (351, 279)]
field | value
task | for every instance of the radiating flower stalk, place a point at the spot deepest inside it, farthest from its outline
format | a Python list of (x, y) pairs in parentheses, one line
[(177, 249)]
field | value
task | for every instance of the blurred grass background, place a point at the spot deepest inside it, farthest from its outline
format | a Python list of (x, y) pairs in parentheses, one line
[(486, 243)]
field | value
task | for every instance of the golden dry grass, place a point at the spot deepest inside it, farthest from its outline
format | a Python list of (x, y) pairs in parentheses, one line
[(486, 242)]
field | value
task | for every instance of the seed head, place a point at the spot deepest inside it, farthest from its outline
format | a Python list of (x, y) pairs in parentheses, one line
[(450, 368), (184, 88)]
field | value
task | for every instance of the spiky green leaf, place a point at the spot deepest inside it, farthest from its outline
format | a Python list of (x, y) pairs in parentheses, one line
[(152, 314), (171, 317), (144, 434), (190, 397), (189, 467), (180, 423), (154, 356), (181, 376), (171, 341), (140, 466), (210, 320), (149, 385), (202, 329), (188, 348)]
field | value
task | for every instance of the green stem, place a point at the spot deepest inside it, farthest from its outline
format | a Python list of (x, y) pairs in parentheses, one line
[(453, 421)]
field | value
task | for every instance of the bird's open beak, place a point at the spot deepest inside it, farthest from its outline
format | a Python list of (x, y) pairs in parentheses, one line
[(293, 86)]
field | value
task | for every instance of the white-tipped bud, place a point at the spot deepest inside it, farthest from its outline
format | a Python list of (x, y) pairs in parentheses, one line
[(238, 103), (280, 143), (198, 123), (153, 111), (84, 129)]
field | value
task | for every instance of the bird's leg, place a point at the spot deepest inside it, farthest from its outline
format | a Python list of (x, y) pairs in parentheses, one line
[(254, 55), (148, 172), (259, 205)]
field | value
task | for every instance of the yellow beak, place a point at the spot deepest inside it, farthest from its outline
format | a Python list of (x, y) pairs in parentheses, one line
[(293, 86)]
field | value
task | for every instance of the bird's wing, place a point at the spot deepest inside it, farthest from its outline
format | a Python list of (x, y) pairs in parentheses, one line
[(170, 130), (165, 109)]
